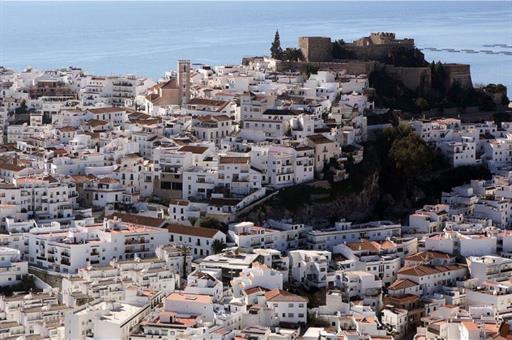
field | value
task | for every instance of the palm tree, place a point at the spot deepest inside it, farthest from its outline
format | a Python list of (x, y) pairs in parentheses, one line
[(218, 246)]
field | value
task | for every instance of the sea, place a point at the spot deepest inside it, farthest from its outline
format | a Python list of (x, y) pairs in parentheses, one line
[(146, 38)]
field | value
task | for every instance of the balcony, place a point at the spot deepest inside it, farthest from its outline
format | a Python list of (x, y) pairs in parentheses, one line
[(65, 262), (292, 238), (136, 241), (135, 250)]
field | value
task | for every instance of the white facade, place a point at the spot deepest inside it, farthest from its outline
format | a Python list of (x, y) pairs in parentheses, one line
[(12, 268)]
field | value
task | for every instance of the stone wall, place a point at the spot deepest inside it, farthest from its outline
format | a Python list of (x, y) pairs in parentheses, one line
[(316, 49), (373, 52), (412, 77), (460, 73), (350, 67)]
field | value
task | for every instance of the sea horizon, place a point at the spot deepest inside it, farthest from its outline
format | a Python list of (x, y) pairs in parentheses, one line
[(105, 38)]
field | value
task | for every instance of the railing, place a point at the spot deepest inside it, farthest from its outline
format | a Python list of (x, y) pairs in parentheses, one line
[(139, 241)]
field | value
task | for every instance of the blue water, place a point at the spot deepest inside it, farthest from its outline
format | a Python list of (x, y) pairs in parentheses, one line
[(146, 38)]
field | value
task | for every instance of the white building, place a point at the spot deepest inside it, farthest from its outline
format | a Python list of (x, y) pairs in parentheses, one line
[(290, 308), (199, 240), (309, 267), (66, 251), (12, 268), (247, 235), (347, 232), (433, 278)]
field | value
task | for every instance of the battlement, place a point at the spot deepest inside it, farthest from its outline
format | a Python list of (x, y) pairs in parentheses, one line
[(383, 39)]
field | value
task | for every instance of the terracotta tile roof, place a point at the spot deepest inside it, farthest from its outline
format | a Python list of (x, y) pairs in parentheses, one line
[(107, 110), (67, 129), (138, 116), (470, 325), (278, 112), (138, 219), (365, 245), (386, 245), (96, 122), (213, 119), (170, 84), (278, 295), (191, 231), (207, 102), (422, 270), (234, 160), (11, 166), (81, 178), (107, 180), (427, 255), (319, 139), (400, 300), (194, 149), (418, 271), (60, 152), (402, 284), (253, 290), (303, 148)]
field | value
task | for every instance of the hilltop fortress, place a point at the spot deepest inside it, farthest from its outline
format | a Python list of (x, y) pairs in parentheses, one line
[(377, 46), (374, 52)]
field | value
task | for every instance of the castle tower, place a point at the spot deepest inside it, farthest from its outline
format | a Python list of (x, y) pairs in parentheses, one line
[(183, 80)]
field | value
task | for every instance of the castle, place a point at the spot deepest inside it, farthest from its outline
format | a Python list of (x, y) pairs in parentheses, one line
[(369, 53)]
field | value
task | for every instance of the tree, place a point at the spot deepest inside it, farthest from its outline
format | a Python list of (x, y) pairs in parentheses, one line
[(422, 104), (218, 246), (23, 108), (411, 155), (275, 50), (308, 70), (184, 252), (340, 52), (292, 54), (210, 222)]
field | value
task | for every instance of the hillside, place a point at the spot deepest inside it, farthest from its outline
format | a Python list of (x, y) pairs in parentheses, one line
[(399, 173)]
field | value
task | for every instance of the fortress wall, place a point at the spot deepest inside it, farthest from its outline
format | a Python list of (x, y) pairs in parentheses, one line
[(412, 77), (316, 49), (374, 51), (350, 67), (460, 73)]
